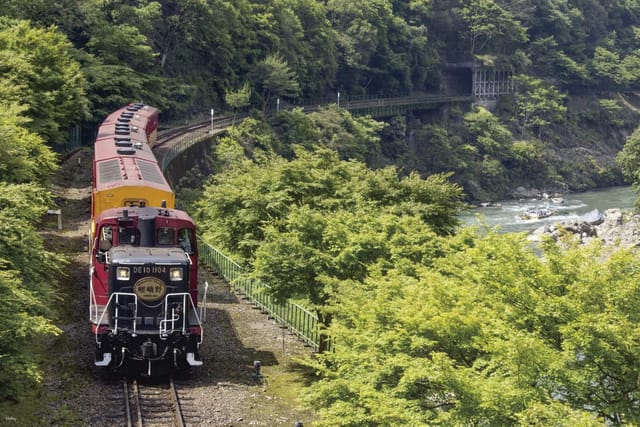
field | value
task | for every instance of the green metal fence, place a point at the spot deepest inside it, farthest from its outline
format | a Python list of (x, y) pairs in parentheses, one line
[(298, 319)]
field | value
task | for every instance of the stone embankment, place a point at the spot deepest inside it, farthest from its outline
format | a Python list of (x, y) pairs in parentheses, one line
[(612, 227)]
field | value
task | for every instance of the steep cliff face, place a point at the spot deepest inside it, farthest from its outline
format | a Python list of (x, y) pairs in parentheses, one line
[(576, 154), (582, 150)]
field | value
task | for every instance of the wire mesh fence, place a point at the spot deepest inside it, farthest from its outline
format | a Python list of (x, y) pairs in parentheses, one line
[(296, 318)]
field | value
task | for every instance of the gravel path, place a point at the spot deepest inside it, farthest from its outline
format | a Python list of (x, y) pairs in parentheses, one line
[(224, 392)]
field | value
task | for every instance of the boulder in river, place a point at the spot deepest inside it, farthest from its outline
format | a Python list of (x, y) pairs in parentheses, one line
[(613, 227)]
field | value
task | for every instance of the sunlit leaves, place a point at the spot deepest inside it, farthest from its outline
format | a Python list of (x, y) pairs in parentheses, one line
[(37, 70), (490, 25), (629, 158), (539, 104), (23, 155), (276, 78), (26, 271), (491, 334)]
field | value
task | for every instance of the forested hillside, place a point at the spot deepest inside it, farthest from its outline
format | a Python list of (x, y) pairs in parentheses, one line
[(430, 324), (560, 130)]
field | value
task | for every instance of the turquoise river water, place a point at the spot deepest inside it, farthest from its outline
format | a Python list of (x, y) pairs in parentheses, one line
[(574, 205)]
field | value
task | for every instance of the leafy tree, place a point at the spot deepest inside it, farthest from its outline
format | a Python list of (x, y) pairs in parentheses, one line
[(380, 51), (276, 79), (24, 157), (238, 99), (489, 25), (484, 333), (118, 59), (538, 104), (609, 66), (490, 136), (38, 71), (176, 23), (255, 138), (239, 202), (121, 45), (301, 33), (26, 271), (324, 250), (629, 159), (353, 137), (333, 220), (548, 59), (560, 19), (112, 86), (294, 127)]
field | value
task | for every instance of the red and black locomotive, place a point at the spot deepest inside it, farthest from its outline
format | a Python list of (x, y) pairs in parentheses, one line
[(144, 254)]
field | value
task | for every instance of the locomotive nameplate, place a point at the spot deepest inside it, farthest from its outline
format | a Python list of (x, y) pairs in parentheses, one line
[(149, 289)]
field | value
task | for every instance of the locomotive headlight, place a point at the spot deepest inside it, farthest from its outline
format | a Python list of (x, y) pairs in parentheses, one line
[(175, 274), (122, 273)]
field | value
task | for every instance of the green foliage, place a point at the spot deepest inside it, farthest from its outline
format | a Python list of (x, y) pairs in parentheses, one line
[(489, 25), (121, 45), (19, 325), (300, 32), (539, 105), (490, 136), (306, 225), (548, 59), (295, 128), (353, 137), (238, 99), (112, 86), (26, 271), (609, 66), (38, 71), (23, 155), (250, 139), (239, 202), (629, 158), (486, 333), (276, 79), (382, 46)]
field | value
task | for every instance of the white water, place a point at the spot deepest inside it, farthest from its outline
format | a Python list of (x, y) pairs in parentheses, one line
[(506, 216)]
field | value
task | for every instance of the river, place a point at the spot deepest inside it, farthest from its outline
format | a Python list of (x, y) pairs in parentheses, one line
[(574, 205)]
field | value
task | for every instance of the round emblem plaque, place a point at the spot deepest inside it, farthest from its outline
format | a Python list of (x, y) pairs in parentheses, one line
[(149, 289)]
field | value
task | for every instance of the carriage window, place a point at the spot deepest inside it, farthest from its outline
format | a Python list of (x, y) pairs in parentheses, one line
[(186, 240), (165, 236)]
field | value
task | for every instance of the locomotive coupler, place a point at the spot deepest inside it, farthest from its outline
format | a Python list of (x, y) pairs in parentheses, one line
[(149, 349)]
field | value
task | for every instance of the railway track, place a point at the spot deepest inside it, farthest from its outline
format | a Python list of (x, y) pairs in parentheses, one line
[(175, 132), (155, 405)]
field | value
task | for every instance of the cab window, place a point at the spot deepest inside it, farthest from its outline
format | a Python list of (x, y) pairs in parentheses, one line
[(105, 242), (186, 240), (165, 236), (128, 236)]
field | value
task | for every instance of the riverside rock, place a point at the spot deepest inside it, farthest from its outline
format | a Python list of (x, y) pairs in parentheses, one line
[(613, 227)]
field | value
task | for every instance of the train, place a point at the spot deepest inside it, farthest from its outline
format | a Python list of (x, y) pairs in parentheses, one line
[(143, 285)]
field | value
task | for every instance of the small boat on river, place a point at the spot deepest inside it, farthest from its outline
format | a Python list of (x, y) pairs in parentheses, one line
[(537, 213)]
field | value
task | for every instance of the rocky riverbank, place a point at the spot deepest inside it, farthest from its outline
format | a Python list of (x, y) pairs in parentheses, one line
[(614, 227)]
